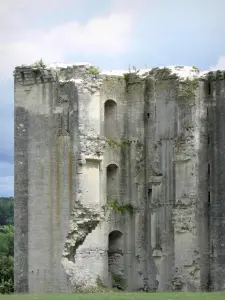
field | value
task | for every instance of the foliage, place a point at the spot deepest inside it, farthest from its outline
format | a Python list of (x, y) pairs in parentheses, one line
[(62, 83), (6, 241), (116, 143), (100, 283), (117, 278), (6, 211), (6, 245), (94, 70), (6, 259), (196, 69), (118, 281), (126, 77), (100, 288), (40, 64), (131, 77), (187, 92), (114, 205), (6, 275)]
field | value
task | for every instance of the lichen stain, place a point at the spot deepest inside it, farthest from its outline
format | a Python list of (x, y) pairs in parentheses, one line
[(70, 175), (58, 148), (51, 205), (50, 184), (42, 169)]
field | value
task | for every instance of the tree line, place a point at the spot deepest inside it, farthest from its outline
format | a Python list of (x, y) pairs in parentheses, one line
[(6, 245)]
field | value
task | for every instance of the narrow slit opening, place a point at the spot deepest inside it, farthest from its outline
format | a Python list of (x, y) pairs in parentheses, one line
[(209, 88)]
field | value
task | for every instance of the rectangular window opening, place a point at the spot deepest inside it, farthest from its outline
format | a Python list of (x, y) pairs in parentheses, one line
[(22, 75), (150, 195), (208, 169)]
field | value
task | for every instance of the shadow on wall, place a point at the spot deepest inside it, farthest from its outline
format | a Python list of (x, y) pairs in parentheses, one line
[(111, 119), (116, 259), (112, 182)]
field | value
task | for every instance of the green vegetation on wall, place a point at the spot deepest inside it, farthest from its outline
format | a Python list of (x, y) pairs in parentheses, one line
[(94, 70), (117, 278), (115, 206), (100, 283), (118, 281), (131, 77), (187, 91), (196, 69), (40, 64), (117, 143)]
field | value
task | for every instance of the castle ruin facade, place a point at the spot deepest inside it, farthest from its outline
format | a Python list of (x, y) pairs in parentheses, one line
[(119, 179)]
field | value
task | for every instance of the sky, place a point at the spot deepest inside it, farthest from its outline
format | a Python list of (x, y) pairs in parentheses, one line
[(112, 34)]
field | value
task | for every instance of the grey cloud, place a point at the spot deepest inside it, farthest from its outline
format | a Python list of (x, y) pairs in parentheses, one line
[(7, 158)]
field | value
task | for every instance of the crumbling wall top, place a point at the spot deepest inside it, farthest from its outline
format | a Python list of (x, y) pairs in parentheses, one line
[(181, 72), (84, 72), (80, 73)]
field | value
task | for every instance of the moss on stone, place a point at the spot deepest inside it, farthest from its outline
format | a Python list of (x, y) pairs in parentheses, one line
[(187, 91), (117, 278), (117, 143), (100, 283), (114, 205)]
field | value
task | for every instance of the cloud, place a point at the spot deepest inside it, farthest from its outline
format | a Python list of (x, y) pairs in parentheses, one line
[(108, 35), (220, 65), (6, 186)]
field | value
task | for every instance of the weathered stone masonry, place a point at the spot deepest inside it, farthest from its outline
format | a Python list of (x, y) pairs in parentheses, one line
[(119, 179)]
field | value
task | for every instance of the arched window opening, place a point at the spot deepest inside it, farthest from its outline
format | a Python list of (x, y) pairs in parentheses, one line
[(115, 259), (112, 182), (110, 119)]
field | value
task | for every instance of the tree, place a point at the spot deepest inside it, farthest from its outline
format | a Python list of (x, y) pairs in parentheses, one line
[(6, 275), (6, 211), (6, 241), (6, 245)]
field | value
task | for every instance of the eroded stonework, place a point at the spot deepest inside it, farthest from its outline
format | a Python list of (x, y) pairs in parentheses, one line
[(119, 179)]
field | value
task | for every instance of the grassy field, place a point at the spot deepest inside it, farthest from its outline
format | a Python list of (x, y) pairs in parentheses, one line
[(120, 296)]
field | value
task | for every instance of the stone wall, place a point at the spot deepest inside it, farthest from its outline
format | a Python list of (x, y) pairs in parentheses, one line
[(118, 179)]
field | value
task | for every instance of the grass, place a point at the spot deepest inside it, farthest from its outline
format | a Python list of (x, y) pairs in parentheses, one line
[(120, 296)]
